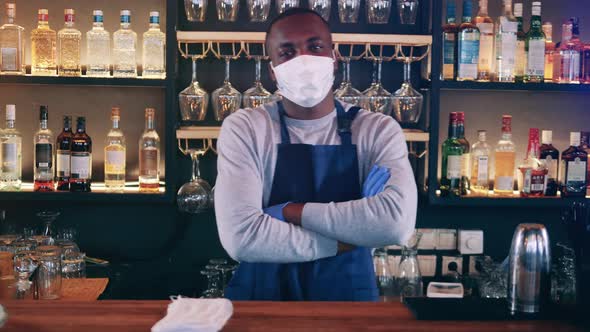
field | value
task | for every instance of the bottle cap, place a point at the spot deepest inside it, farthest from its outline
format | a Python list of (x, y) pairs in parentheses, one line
[(584, 138), (115, 112), (69, 15), (150, 112), (125, 12), (67, 121), (10, 6), (155, 14), (461, 116), (506, 123), (10, 10), (451, 8), (546, 137), (575, 138), (97, 12), (518, 9), (154, 18), (81, 122), (536, 11), (481, 134), (43, 15), (537, 4), (467, 8), (43, 112), (453, 117), (10, 112), (548, 29), (483, 4)]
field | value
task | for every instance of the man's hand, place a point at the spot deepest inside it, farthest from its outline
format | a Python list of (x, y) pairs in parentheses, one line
[(376, 180)]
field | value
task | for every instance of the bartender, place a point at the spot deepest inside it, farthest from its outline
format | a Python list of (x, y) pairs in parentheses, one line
[(307, 185)]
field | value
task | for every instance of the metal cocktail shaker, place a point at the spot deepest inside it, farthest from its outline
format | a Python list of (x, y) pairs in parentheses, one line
[(530, 263)]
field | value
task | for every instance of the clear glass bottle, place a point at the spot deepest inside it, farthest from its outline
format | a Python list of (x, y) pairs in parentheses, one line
[(549, 50), (578, 47), (550, 157), (449, 71), (573, 168), (410, 278), (114, 155), (566, 59), (535, 48), (124, 48), (505, 156), (485, 24), (154, 49), (520, 64), (63, 155), (532, 175), (81, 173), (149, 155), (506, 29), (12, 44), (69, 44), (480, 165), (468, 45), (11, 173), (450, 182), (465, 156), (98, 48), (43, 47), (585, 74), (43, 154)]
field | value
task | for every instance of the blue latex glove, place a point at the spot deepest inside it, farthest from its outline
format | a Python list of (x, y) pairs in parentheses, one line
[(276, 211), (376, 180)]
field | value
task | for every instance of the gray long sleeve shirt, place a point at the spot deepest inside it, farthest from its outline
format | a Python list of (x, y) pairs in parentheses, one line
[(247, 149)]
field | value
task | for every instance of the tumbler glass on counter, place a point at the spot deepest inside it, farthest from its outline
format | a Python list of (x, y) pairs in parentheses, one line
[(49, 274)]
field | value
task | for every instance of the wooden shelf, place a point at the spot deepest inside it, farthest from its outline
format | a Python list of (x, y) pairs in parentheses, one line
[(452, 85), (83, 80), (211, 132)]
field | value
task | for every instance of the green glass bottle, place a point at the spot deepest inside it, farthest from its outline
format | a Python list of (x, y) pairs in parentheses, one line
[(535, 48), (465, 156), (452, 151)]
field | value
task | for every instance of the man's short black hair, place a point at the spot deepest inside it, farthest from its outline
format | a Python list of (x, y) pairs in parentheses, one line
[(292, 12)]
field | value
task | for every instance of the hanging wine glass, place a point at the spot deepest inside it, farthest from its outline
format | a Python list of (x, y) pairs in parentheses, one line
[(226, 99), (346, 92), (48, 218), (195, 10), (227, 10), (258, 10), (377, 99), (407, 102), (407, 11), (256, 95), (348, 10), (283, 5), (194, 196), (321, 7), (193, 100), (378, 11)]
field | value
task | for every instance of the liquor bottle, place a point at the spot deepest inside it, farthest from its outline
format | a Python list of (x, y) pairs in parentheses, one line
[(521, 57), (585, 145), (81, 177), (505, 154), (43, 47), (585, 74), (149, 155), (573, 168), (63, 155), (550, 156), (154, 49), (485, 24), (450, 43), (532, 175), (549, 51), (578, 48), (450, 182), (480, 166), (98, 48), (69, 43), (566, 59), (43, 154), (505, 48), (468, 46), (124, 46), (114, 151), (465, 156), (535, 48), (12, 44), (11, 175)]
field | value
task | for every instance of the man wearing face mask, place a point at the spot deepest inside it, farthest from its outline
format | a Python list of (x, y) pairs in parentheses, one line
[(307, 185)]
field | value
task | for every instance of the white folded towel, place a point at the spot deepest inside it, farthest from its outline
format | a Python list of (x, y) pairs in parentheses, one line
[(195, 315)]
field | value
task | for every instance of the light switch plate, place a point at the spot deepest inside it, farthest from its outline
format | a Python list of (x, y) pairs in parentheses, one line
[(393, 261), (428, 239), (446, 239), (470, 242), (448, 259), (427, 265)]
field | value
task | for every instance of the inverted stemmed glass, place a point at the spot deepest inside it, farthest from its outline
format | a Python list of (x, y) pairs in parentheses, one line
[(194, 196), (195, 10), (257, 95), (407, 102), (193, 100), (283, 5), (226, 99), (258, 10), (48, 218), (348, 10), (346, 92), (378, 11), (377, 99), (227, 10), (321, 7)]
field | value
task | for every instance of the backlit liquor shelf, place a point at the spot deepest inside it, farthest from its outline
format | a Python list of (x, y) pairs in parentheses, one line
[(452, 85), (504, 201), (83, 80)]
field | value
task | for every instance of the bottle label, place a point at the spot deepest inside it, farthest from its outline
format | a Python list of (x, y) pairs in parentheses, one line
[(551, 165), (43, 155), (536, 58), (98, 18), (69, 18), (125, 19), (148, 162), (465, 165), (504, 183), (63, 163), (9, 157), (81, 165), (576, 171), (486, 50), (508, 51), (115, 162), (482, 169), (520, 58), (449, 43), (8, 60), (468, 56), (154, 19), (526, 180), (453, 167), (538, 182)]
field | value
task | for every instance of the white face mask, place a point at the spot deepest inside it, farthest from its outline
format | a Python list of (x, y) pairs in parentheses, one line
[(305, 80)]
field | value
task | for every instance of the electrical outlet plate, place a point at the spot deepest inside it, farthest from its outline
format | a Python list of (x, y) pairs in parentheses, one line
[(428, 239), (446, 239), (448, 259), (470, 242), (427, 264), (472, 270)]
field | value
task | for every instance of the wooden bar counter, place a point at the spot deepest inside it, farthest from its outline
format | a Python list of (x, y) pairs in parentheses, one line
[(129, 316)]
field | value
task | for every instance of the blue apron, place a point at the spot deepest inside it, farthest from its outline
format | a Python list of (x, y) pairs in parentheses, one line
[(320, 174)]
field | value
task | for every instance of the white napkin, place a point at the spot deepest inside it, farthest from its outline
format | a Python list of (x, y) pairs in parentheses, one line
[(195, 315)]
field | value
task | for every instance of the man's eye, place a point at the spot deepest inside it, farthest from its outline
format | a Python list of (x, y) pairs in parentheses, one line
[(317, 47), (286, 53)]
